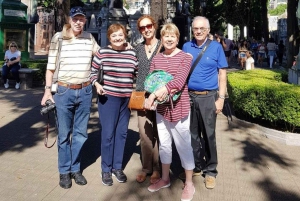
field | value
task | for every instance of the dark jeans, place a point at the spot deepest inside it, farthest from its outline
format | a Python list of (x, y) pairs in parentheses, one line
[(14, 71), (114, 117), (73, 108), (202, 127)]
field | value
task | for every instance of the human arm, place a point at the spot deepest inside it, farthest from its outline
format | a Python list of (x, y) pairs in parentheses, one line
[(47, 93), (96, 65), (222, 90)]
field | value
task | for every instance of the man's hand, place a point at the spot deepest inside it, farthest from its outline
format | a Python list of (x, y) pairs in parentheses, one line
[(47, 96), (219, 105)]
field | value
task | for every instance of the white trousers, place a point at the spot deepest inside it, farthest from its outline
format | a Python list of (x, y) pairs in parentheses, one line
[(180, 132)]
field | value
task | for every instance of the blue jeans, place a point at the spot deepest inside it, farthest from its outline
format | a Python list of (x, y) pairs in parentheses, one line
[(114, 117), (14, 71), (73, 112)]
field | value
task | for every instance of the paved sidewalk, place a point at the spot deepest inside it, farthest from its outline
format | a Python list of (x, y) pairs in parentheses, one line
[(250, 167)]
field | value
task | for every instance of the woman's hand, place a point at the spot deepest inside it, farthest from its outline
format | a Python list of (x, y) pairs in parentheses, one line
[(99, 89), (150, 103)]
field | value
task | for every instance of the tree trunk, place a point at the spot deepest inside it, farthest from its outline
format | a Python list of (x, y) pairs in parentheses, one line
[(292, 32), (264, 17)]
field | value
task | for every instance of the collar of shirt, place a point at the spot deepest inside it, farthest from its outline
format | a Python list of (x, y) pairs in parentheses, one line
[(194, 43)]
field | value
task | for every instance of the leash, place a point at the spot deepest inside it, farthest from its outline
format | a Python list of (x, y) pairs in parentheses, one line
[(47, 131)]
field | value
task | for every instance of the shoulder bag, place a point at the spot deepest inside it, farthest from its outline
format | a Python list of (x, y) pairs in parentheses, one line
[(198, 59), (54, 84), (137, 98)]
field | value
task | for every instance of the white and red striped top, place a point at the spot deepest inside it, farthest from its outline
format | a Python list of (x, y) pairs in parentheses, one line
[(179, 66), (119, 69)]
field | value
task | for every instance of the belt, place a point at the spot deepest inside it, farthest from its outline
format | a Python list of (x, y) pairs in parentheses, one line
[(200, 92), (74, 86)]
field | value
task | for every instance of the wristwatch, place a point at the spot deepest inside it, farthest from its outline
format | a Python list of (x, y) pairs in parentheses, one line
[(47, 87), (222, 97)]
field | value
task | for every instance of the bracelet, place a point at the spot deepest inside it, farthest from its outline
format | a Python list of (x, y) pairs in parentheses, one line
[(222, 97), (47, 87)]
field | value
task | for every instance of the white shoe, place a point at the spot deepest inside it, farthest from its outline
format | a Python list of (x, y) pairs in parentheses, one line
[(6, 85), (17, 85)]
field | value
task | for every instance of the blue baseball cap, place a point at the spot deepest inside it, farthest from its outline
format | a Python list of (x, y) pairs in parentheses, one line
[(78, 10)]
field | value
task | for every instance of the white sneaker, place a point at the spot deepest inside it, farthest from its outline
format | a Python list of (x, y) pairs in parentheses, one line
[(6, 85), (17, 85)]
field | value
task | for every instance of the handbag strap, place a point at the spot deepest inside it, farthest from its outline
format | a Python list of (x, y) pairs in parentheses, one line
[(57, 66), (198, 58)]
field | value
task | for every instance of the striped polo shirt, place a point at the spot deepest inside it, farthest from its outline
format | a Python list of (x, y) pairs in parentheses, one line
[(119, 67), (75, 56), (179, 66)]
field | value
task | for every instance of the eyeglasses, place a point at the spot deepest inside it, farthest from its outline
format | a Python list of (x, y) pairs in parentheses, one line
[(202, 29), (78, 10), (13, 46), (74, 19), (148, 26)]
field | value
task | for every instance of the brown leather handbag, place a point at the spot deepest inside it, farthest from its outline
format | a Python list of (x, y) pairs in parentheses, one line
[(137, 100)]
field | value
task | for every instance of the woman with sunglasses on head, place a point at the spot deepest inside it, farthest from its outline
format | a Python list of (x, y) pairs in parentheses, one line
[(119, 66), (146, 119), (12, 63)]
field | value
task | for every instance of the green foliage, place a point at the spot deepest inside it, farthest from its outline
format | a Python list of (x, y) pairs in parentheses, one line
[(262, 94), (279, 10)]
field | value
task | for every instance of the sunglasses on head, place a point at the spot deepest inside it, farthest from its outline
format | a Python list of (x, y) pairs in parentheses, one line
[(77, 10), (148, 26)]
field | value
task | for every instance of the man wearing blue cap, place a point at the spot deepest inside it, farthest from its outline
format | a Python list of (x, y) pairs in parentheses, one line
[(73, 98)]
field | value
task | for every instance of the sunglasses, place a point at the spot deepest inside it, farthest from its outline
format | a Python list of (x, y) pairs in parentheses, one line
[(13, 46), (148, 26), (77, 10)]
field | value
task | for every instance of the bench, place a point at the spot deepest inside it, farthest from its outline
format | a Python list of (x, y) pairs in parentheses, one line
[(26, 77)]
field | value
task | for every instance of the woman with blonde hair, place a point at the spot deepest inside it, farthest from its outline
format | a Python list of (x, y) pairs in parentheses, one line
[(173, 119), (12, 63), (146, 119)]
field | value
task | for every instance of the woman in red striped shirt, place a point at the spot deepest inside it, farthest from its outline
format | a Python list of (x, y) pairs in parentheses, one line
[(173, 120)]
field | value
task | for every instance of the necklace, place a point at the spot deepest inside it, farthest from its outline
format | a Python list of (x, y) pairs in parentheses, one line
[(151, 47)]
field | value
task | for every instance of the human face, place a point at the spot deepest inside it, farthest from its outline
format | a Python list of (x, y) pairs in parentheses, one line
[(170, 41), (77, 23), (117, 39), (147, 28), (200, 29)]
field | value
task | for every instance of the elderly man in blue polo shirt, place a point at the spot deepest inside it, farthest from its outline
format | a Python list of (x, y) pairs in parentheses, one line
[(207, 87)]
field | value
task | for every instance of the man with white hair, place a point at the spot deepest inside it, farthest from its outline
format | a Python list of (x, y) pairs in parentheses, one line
[(207, 87)]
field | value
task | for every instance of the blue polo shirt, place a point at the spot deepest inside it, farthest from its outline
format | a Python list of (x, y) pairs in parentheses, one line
[(205, 75)]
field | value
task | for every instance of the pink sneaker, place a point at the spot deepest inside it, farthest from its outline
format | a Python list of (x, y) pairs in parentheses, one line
[(188, 192), (159, 185)]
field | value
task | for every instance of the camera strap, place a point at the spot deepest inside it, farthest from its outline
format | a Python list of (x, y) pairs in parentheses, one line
[(47, 132)]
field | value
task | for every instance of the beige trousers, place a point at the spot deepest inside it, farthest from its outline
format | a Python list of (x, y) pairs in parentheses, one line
[(149, 141)]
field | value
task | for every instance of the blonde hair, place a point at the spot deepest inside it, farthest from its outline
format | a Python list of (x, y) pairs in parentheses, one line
[(169, 28), (13, 43)]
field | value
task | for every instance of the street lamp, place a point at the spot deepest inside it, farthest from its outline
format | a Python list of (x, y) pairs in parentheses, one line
[(202, 7)]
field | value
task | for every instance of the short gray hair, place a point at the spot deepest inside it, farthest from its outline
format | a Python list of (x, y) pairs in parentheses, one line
[(201, 18)]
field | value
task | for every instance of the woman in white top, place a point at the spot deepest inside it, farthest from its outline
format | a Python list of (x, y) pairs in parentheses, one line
[(12, 63), (249, 61)]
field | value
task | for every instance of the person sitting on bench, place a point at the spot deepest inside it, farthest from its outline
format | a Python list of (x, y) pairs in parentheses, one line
[(12, 63)]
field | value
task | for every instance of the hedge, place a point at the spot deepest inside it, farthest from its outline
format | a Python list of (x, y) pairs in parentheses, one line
[(264, 94)]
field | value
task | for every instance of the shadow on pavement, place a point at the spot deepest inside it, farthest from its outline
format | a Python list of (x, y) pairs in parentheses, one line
[(261, 157), (21, 132)]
